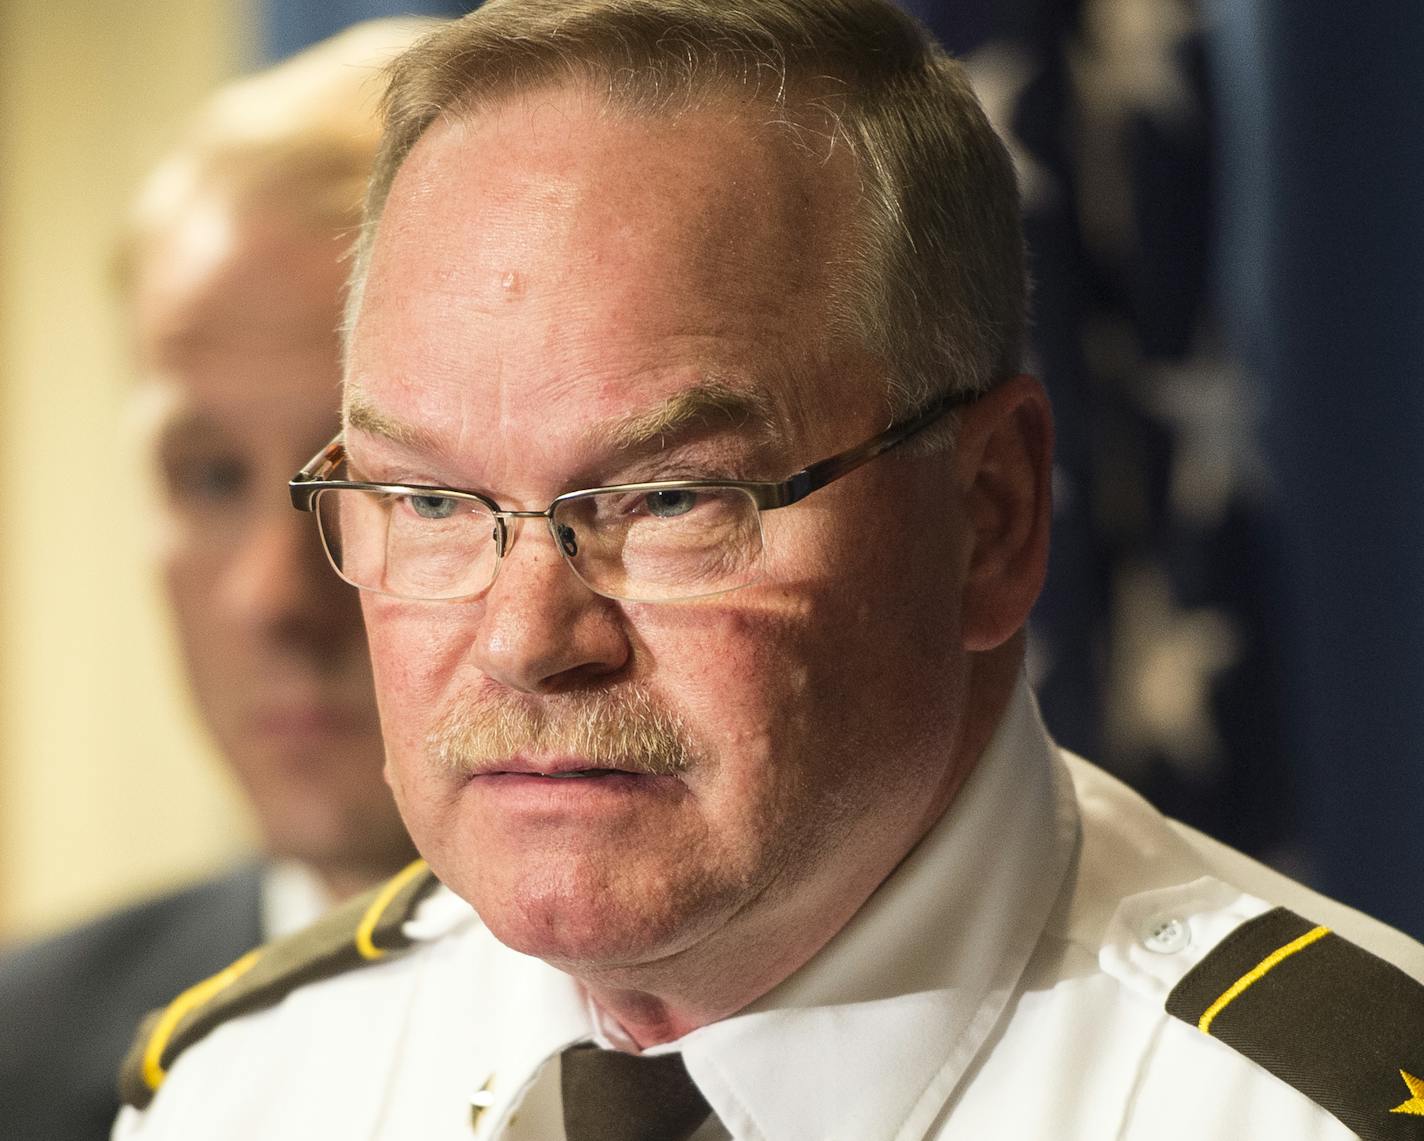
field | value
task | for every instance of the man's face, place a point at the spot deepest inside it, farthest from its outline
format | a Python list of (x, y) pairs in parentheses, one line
[(236, 324), (546, 279)]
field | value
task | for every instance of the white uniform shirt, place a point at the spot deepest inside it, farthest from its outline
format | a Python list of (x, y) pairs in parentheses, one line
[(293, 897), (1007, 981)]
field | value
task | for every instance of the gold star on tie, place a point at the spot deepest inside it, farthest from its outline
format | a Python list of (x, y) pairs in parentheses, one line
[(1415, 1105)]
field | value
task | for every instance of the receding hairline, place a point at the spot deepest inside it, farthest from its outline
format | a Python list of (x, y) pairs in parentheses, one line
[(811, 142), (798, 107), (937, 288)]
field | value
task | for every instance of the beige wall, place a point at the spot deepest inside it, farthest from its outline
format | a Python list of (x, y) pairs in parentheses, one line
[(106, 787)]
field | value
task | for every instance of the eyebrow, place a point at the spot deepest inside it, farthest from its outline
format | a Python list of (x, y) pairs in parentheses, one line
[(190, 425), (706, 403), (364, 416)]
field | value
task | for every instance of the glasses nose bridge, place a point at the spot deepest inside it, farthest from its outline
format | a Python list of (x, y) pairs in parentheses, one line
[(504, 533)]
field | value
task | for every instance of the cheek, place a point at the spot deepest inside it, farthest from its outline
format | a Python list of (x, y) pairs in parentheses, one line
[(742, 674), (416, 654), (200, 560), (185, 586), (414, 658), (188, 580), (856, 655)]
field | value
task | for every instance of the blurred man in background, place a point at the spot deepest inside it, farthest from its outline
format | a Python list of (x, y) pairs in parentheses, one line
[(233, 271)]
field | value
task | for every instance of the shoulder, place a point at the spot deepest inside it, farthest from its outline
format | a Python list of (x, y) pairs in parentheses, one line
[(374, 1050), (1129, 848), (1320, 1013), (1292, 984), (367, 929), (127, 934), (1237, 868), (72, 1000)]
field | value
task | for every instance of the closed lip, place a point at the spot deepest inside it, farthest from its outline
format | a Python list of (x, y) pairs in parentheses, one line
[(550, 767)]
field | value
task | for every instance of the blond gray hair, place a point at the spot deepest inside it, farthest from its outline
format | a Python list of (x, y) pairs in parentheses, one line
[(936, 287), (296, 140)]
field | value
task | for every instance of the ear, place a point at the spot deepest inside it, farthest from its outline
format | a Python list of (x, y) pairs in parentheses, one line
[(1003, 465)]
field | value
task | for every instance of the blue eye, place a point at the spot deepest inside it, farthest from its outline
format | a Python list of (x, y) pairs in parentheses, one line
[(670, 504), (433, 506)]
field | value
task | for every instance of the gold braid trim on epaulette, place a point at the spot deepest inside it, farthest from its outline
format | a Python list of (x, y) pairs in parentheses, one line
[(1339, 1024), (362, 930)]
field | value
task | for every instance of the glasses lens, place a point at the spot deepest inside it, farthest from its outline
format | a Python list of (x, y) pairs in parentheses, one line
[(668, 543), (429, 547)]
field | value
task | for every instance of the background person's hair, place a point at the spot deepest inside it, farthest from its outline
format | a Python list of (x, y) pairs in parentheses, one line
[(295, 141), (936, 286)]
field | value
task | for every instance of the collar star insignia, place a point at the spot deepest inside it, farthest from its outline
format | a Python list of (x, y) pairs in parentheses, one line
[(480, 1101), (1415, 1105)]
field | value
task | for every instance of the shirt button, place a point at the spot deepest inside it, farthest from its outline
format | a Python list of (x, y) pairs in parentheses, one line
[(1167, 936)]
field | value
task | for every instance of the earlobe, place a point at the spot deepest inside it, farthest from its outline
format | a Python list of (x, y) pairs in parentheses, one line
[(1003, 461)]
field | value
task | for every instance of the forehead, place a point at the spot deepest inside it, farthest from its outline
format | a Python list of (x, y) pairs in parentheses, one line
[(236, 325), (553, 255), (216, 271)]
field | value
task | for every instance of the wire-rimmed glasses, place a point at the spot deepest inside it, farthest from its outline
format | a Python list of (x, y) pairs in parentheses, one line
[(640, 542)]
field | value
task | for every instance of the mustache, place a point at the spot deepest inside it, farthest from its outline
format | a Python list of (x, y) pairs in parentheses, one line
[(625, 728)]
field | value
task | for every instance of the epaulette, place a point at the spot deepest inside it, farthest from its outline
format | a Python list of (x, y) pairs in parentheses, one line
[(363, 930), (1339, 1024)]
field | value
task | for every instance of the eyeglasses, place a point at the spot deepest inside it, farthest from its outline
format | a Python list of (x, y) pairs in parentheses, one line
[(639, 542)]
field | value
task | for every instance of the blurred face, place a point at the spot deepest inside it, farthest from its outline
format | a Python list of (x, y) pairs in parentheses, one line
[(614, 784), (236, 321)]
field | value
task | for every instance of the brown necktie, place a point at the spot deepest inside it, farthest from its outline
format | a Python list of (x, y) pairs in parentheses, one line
[(609, 1096)]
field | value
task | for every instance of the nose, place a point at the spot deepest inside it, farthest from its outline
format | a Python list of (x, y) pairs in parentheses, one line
[(542, 630), (279, 583)]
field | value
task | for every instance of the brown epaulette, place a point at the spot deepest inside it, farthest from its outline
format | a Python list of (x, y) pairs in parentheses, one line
[(1339, 1024), (363, 930)]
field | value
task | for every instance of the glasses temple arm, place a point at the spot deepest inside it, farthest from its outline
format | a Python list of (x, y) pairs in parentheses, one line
[(313, 471), (831, 468)]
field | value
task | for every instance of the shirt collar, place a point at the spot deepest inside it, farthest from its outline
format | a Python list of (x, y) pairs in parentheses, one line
[(293, 897)]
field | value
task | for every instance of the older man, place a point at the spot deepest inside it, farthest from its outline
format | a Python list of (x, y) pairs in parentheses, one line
[(698, 503), (234, 280)]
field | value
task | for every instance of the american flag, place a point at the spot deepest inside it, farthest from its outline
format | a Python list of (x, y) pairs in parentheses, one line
[(1224, 204)]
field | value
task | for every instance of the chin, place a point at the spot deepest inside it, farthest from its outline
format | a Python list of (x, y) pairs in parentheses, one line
[(582, 945), (584, 926)]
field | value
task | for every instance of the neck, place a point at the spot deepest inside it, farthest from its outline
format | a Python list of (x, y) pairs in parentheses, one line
[(749, 956), (716, 978)]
